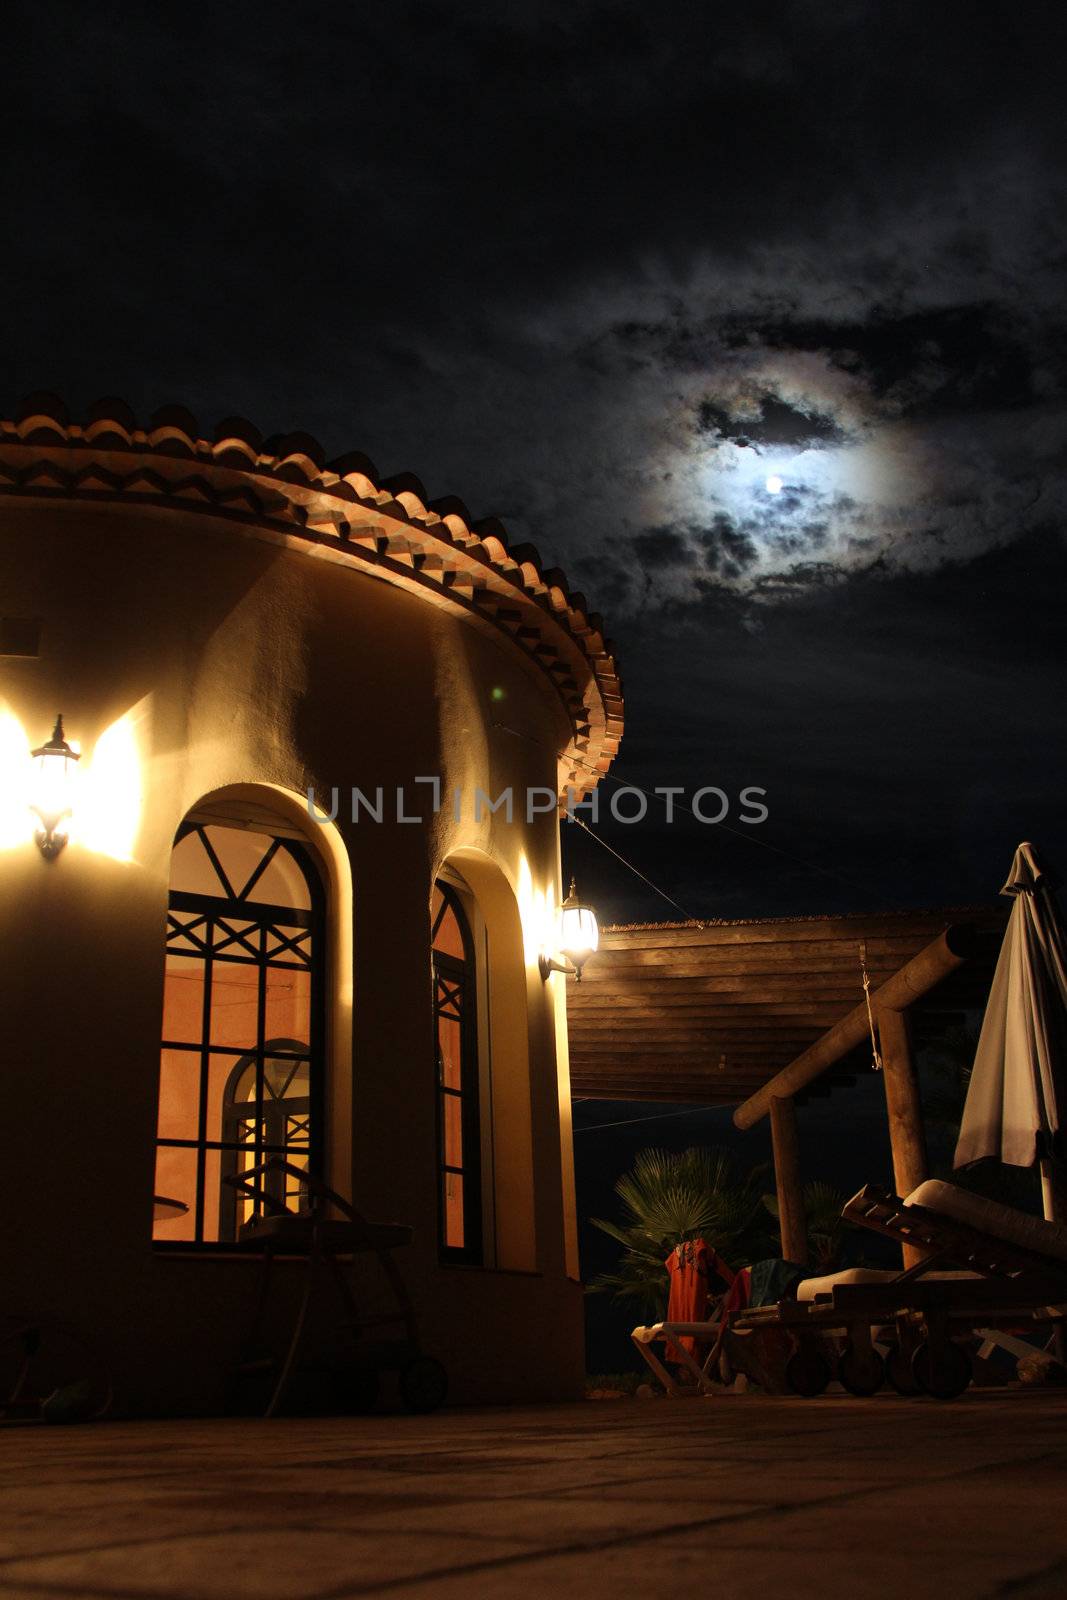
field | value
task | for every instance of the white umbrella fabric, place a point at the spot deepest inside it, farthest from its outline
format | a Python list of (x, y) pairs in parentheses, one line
[(1017, 1098)]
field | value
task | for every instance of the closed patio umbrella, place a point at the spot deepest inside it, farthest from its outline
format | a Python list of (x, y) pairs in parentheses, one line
[(1017, 1099)]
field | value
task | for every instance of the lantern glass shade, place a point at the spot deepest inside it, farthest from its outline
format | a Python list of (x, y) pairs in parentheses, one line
[(52, 789), (578, 932)]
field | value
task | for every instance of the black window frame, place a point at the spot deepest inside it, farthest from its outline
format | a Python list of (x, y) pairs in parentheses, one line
[(276, 1112), (209, 909), (455, 995)]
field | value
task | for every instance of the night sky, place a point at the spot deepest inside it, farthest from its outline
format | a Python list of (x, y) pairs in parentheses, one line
[(604, 270)]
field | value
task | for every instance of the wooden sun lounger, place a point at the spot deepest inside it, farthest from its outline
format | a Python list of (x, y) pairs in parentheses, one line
[(667, 1334), (998, 1285), (947, 1239)]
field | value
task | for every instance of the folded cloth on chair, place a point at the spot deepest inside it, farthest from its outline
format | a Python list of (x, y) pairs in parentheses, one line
[(773, 1280), (811, 1288), (989, 1216)]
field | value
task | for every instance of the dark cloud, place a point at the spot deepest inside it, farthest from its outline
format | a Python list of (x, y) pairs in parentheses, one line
[(775, 423), (613, 583), (728, 550), (663, 547), (951, 359)]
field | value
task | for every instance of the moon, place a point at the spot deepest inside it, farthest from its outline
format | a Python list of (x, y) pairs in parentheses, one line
[(774, 484)]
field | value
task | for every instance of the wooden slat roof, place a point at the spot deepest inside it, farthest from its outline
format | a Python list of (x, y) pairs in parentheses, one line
[(707, 1013)]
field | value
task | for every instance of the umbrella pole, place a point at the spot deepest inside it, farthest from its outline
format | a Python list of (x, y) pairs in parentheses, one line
[(791, 1219)]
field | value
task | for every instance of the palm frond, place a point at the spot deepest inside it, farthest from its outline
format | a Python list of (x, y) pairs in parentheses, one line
[(823, 1223), (669, 1197)]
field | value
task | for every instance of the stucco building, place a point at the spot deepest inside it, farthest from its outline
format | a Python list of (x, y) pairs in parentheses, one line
[(204, 972)]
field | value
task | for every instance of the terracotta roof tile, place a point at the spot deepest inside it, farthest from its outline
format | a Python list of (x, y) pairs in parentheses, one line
[(285, 485)]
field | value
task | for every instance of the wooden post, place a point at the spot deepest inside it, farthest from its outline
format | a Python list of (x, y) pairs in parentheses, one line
[(1053, 1190), (904, 1109), (787, 1181)]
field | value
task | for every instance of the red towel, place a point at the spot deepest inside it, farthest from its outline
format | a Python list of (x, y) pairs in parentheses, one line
[(691, 1267), (740, 1292)]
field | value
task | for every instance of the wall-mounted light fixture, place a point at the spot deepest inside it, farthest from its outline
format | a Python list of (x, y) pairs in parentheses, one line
[(52, 790), (577, 939)]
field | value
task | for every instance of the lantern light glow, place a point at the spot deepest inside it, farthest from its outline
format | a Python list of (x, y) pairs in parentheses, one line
[(52, 790), (578, 937)]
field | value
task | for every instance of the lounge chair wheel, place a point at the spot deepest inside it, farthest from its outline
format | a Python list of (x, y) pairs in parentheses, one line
[(860, 1374), (807, 1372), (945, 1373), (423, 1384), (898, 1371)]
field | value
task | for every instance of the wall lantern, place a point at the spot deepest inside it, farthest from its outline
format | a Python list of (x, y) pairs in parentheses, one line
[(52, 790), (578, 937)]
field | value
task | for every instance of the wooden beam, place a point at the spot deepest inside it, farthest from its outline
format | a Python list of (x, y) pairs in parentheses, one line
[(653, 1094), (773, 1012), (729, 1087), (652, 1032), (791, 1222), (762, 1058), (888, 925), (710, 993), (771, 962), (827, 955), (904, 1109), (916, 978)]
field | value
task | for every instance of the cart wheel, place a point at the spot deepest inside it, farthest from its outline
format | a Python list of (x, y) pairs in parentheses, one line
[(860, 1375), (807, 1372), (358, 1390), (944, 1375), (423, 1384), (898, 1371)]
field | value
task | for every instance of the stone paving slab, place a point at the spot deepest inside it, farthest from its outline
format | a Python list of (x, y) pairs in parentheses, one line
[(740, 1496)]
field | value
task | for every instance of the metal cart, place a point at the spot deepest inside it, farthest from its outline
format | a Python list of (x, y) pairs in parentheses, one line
[(326, 1234)]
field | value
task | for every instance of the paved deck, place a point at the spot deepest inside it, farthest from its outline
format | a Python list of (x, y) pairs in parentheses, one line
[(735, 1498)]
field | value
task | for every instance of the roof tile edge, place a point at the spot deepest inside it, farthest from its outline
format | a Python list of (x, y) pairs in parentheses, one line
[(465, 565)]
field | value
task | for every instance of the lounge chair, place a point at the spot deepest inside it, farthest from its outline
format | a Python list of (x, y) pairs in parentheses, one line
[(988, 1269), (666, 1334), (757, 1284)]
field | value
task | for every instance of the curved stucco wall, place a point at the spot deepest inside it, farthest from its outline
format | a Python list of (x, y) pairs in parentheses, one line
[(230, 662)]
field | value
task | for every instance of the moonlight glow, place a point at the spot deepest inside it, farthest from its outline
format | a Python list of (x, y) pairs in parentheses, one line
[(774, 484)]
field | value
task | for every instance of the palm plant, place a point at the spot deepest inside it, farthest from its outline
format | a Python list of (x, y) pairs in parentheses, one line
[(948, 1076), (670, 1197), (823, 1222)]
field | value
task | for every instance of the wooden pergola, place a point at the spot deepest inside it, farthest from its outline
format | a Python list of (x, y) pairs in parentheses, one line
[(765, 1013)]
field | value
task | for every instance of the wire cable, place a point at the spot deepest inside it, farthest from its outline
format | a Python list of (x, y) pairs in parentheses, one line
[(637, 872), (749, 838), (657, 1116)]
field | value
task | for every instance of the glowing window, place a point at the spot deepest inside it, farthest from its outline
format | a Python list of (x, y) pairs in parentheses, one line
[(456, 1044), (240, 1067)]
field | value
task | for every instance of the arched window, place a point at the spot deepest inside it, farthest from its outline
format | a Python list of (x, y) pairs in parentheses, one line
[(241, 1063), (456, 1039), (279, 1117)]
